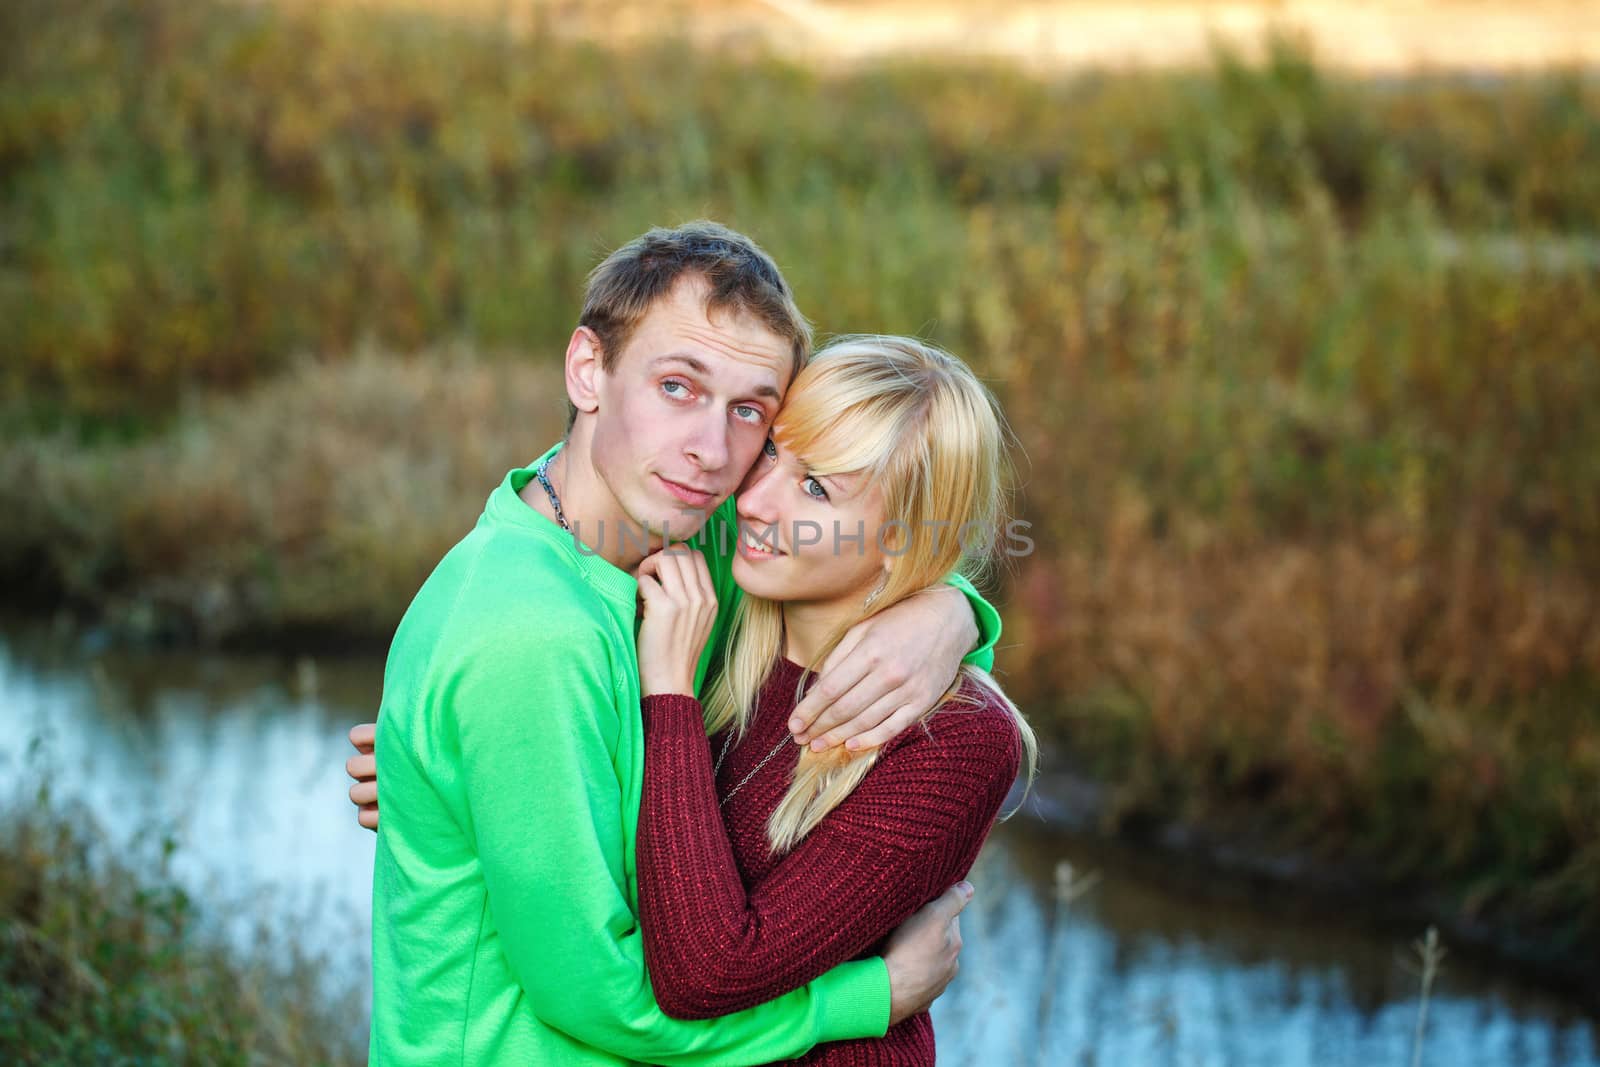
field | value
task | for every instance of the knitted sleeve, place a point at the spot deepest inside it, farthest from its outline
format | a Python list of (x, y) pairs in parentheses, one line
[(909, 831)]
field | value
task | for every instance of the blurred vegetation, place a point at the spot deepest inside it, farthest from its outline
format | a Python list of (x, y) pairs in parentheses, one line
[(313, 505), (1305, 369), (193, 192), (103, 959)]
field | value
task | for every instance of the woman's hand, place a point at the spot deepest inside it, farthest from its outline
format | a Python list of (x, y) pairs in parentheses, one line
[(677, 606)]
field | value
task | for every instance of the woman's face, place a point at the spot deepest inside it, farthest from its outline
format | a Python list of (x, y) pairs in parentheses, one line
[(805, 538)]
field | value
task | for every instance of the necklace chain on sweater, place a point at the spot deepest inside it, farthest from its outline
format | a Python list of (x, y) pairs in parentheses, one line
[(726, 745), (549, 491)]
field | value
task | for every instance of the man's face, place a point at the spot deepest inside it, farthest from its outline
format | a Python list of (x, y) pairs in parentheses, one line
[(686, 409)]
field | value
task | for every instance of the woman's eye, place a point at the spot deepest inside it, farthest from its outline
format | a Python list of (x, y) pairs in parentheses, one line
[(769, 449), (820, 493)]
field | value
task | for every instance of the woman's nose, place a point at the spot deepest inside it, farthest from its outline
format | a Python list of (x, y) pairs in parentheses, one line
[(755, 497)]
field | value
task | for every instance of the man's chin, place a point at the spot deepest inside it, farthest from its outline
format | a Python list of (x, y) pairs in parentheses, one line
[(678, 524)]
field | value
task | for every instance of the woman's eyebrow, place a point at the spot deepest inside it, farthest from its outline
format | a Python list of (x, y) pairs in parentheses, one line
[(843, 487)]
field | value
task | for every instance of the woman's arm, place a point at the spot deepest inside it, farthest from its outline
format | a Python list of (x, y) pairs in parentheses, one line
[(909, 830)]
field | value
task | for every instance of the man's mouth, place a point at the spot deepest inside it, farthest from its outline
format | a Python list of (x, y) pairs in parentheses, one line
[(695, 498)]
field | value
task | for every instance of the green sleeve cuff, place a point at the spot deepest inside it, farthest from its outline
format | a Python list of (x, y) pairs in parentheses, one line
[(988, 620), (853, 1001)]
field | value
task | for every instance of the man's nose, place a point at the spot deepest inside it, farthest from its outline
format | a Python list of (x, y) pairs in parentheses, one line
[(709, 445)]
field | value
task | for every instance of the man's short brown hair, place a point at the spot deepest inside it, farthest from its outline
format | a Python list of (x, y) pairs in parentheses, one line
[(742, 278)]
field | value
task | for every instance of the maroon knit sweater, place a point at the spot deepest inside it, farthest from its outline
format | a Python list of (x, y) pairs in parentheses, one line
[(727, 925)]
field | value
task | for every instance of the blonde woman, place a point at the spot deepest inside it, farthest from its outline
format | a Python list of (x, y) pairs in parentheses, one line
[(763, 864)]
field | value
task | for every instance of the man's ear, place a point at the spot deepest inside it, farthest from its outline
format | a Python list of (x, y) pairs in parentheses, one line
[(584, 370)]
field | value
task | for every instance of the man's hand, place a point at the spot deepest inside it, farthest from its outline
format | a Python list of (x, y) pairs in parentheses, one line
[(887, 672), (923, 954), (364, 769)]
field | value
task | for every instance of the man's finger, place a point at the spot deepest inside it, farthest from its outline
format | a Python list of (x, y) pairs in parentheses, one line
[(847, 644), (948, 905), (364, 736), (830, 687), (852, 725), (903, 719), (364, 793), (362, 766), (874, 690), (842, 652)]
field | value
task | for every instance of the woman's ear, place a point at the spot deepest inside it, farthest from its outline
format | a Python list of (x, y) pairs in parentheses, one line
[(583, 370)]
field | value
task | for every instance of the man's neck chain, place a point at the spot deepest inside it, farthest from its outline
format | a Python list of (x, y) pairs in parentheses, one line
[(549, 491)]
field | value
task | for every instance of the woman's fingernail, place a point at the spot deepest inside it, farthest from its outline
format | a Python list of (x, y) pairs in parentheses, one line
[(796, 725), (819, 744), (852, 744)]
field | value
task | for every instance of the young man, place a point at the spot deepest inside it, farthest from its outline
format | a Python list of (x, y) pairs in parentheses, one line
[(504, 897)]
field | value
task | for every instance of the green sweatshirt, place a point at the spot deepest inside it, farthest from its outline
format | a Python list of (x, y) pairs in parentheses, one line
[(504, 925)]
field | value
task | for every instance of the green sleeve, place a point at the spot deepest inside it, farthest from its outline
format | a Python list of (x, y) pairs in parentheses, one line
[(537, 738), (988, 620), (717, 541)]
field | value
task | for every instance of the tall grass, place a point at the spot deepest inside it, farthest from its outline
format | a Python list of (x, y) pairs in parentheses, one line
[(193, 192), (1305, 370)]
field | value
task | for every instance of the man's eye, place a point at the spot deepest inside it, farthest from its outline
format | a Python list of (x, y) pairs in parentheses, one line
[(747, 412), (665, 386)]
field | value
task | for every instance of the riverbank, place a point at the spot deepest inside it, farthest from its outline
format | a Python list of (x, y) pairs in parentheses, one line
[(304, 514)]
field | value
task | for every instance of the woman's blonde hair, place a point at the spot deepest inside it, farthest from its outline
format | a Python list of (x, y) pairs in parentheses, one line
[(922, 427)]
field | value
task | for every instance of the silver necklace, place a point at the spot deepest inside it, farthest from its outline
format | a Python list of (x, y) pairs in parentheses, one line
[(728, 744), (549, 491)]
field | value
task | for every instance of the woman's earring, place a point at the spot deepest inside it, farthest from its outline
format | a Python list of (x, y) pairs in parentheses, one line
[(872, 596)]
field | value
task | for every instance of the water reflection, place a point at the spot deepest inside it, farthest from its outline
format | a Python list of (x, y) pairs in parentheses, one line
[(230, 756), (1133, 973), (240, 758)]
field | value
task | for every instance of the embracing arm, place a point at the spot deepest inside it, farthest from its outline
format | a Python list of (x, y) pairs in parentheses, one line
[(909, 830), (545, 808)]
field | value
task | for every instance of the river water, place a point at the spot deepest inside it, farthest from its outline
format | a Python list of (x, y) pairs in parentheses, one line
[(240, 759)]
